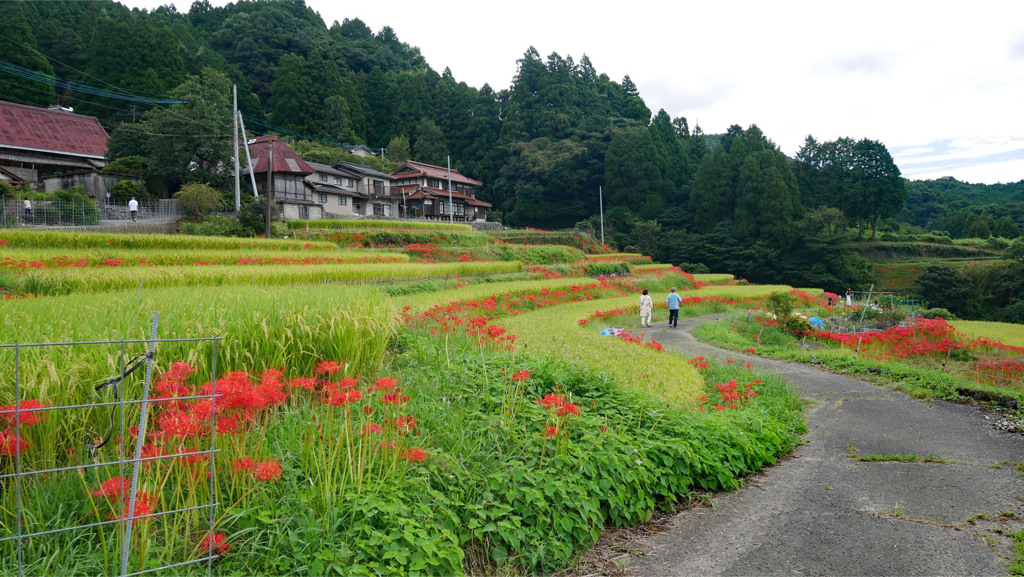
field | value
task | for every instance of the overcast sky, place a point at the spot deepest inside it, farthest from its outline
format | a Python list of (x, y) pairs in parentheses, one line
[(940, 83)]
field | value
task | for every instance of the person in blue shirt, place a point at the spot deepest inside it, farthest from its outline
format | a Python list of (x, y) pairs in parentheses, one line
[(673, 299)]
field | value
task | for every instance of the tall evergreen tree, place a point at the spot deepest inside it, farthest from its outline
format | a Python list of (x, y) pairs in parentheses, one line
[(18, 47), (429, 145)]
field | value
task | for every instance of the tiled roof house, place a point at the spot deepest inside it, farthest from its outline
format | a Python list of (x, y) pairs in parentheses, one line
[(422, 189), (52, 148)]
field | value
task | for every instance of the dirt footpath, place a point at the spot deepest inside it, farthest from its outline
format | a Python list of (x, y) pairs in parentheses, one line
[(824, 512)]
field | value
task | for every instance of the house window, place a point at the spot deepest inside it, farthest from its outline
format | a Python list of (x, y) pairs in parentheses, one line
[(378, 209), (434, 183), (337, 180), (323, 177), (378, 187), (342, 200), (350, 183), (323, 198)]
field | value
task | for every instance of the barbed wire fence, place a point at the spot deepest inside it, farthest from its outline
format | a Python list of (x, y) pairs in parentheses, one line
[(14, 541)]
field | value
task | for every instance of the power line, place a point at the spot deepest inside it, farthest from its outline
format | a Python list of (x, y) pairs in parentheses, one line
[(67, 84)]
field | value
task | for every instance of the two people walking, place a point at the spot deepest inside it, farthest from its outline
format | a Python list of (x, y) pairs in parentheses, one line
[(646, 307)]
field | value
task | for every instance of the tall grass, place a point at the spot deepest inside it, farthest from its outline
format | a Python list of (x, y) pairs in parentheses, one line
[(81, 281), (21, 238)]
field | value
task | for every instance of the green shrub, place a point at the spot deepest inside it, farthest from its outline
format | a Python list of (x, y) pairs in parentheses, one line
[(212, 226), (199, 199), (938, 313)]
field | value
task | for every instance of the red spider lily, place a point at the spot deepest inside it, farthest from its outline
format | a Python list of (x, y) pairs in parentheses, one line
[(752, 351), (217, 542), (267, 471), (304, 383), (343, 397), (327, 368), (113, 487), (243, 464), (568, 409), (550, 431), (415, 454), (23, 414), (394, 398), (405, 423), (384, 384), (10, 445), (521, 375), (698, 362), (551, 401), (583, 321), (371, 429), (144, 504)]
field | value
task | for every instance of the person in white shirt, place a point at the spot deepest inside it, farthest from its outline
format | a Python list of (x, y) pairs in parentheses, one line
[(133, 208), (28, 208), (646, 306)]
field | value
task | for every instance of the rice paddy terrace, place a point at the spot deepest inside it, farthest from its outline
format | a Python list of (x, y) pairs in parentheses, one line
[(383, 399)]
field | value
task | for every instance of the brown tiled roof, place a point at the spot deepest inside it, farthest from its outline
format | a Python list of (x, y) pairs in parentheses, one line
[(37, 129), (285, 159), (411, 168)]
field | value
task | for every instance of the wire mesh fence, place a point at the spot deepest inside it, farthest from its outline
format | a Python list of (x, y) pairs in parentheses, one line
[(14, 212), (83, 488)]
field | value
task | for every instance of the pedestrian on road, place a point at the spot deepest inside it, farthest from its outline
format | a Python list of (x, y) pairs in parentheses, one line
[(28, 209), (133, 208), (646, 306), (673, 299)]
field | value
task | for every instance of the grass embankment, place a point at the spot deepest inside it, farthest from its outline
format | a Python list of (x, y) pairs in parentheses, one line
[(21, 238), (38, 258), (557, 331), (917, 365), (67, 281), (1006, 333)]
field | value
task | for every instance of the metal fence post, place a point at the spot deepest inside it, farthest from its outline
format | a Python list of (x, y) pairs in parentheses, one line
[(139, 441), (17, 454)]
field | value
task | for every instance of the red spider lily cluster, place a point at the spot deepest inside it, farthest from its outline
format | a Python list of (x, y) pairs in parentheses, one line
[(732, 395), (116, 492), (998, 371), (629, 337), (560, 410), (434, 253), (11, 418), (920, 338), (699, 362), (474, 318)]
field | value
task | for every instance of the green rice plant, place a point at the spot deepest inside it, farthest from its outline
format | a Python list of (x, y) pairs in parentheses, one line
[(650, 266), (1006, 333), (713, 278), (80, 281), (632, 258), (738, 291), (418, 303), (369, 224), (24, 238), (28, 258), (556, 331), (263, 328)]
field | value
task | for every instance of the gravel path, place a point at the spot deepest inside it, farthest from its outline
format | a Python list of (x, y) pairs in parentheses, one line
[(823, 512)]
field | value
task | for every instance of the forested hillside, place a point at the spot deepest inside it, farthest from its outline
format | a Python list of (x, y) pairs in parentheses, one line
[(160, 82)]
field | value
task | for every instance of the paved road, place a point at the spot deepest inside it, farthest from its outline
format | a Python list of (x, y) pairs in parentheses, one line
[(822, 512)]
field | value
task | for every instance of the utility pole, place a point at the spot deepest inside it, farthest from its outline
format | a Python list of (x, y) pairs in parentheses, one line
[(600, 202), (234, 117), (248, 157), (269, 192), (451, 209)]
